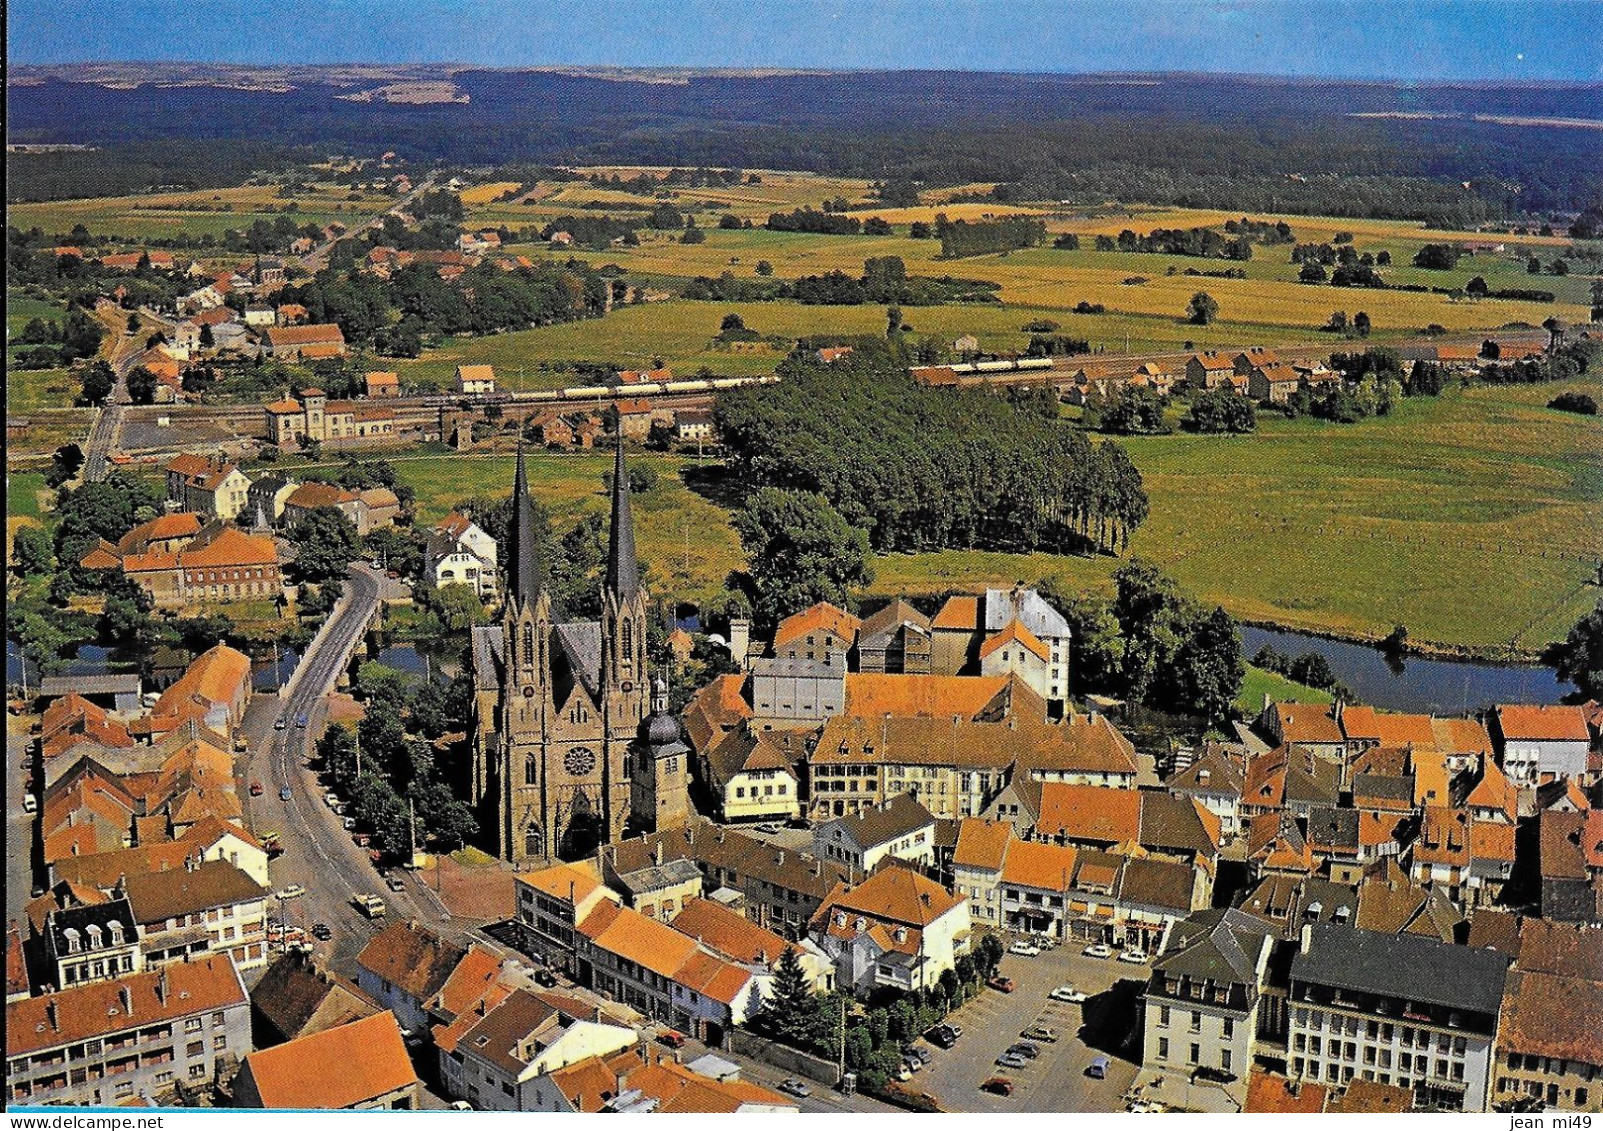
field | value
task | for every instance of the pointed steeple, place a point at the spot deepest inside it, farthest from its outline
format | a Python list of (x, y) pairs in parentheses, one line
[(623, 571), (525, 573)]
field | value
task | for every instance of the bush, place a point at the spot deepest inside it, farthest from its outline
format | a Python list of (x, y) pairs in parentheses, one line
[(1574, 402)]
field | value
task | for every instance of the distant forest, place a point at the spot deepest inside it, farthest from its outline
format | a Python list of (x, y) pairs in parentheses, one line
[(1207, 141)]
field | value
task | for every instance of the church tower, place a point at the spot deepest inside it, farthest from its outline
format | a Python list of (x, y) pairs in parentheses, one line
[(623, 613), (659, 795)]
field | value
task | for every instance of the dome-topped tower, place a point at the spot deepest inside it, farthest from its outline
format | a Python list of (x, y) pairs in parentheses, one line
[(662, 729), (659, 786)]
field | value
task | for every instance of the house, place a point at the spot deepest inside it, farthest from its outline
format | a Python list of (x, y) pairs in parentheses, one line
[(304, 342), (291, 314), (731, 935), (477, 243), (260, 314), (143, 1034), (828, 355), (87, 942), (472, 380), (1216, 780), (1310, 726), (403, 966), (1547, 1049), (298, 996), (205, 906), (459, 552), (214, 488), (1274, 383), (1570, 862), (1209, 370), (659, 375), (230, 336), (311, 416), (753, 773), (898, 827), (383, 384), (129, 261), (1202, 1003), (968, 625), (1254, 357), (183, 339), (895, 639), (222, 563), (359, 1066), (693, 425), (638, 1080), (1539, 742), (551, 429), (633, 418), (264, 501), (508, 1053), (1015, 650), (1101, 817), (72, 719), (216, 688), (1444, 998), (896, 929), (309, 497)]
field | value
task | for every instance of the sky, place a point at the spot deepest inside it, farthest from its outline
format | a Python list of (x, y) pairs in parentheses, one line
[(1398, 39)]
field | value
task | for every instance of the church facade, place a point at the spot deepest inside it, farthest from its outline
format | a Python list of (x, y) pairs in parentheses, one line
[(559, 708)]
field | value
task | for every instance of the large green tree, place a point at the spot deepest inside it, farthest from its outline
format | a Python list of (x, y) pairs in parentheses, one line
[(326, 544), (1580, 658), (801, 551)]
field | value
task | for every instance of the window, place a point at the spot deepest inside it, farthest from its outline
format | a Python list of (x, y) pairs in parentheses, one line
[(1224, 1059), (1228, 1029), (196, 1048), (1163, 1015), (1196, 1054), (220, 1041), (193, 1024), (197, 1071), (1196, 1021), (1163, 1048)]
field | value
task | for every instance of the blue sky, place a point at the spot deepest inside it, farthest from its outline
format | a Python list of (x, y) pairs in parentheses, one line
[(1418, 39)]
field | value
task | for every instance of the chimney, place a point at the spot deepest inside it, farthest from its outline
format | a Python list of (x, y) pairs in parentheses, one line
[(53, 1012), (161, 987), (126, 996), (656, 854), (1307, 941)]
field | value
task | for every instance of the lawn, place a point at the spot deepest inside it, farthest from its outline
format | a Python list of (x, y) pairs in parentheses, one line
[(686, 539), (1259, 682), (1471, 519)]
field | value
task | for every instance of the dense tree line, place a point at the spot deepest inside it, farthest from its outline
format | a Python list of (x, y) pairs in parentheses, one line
[(1202, 243), (919, 468), (884, 280), (983, 237), (593, 232), (1220, 410), (1310, 669), (812, 220)]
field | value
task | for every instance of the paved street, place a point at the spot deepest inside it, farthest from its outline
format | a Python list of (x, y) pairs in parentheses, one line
[(1056, 1080), (19, 822), (318, 852)]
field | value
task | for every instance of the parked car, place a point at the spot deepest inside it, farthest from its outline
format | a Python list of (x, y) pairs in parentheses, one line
[(1040, 1033), (1098, 950), (368, 904), (1025, 1049), (794, 1087), (283, 793), (1029, 950), (672, 1038), (941, 1038), (461, 1105), (1001, 984), (998, 1085), (300, 722), (279, 724), (1067, 993), (256, 789), (1098, 1068), (291, 892), (955, 1030), (395, 883), (1011, 1060), (768, 827), (332, 800), (903, 1072), (914, 1058), (322, 932), (348, 822), (1133, 956)]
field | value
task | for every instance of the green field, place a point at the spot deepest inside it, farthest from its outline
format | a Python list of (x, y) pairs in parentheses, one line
[(31, 389), (1259, 682), (686, 539), (22, 495), (1470, 518)]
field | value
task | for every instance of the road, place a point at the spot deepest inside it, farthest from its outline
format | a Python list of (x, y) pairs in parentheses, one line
[(1056, 1081), (102, 440), (318, 853), (19, 822), (316, 259)]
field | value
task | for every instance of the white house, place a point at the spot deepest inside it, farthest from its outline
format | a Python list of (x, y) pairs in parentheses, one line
[(897, 928), (473, 379), (899, 827), (459, 552)]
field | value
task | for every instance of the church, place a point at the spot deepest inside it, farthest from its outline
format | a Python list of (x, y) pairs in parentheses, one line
[(570, 748)]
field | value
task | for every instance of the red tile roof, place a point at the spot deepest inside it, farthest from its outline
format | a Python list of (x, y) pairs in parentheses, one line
[(1542, 722), (821, 618), (337, 1068)]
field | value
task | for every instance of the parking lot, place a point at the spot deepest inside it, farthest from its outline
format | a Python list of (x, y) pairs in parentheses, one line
[(1056, 1080)]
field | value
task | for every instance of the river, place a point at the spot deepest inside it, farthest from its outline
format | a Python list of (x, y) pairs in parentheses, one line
[(1442, 687)]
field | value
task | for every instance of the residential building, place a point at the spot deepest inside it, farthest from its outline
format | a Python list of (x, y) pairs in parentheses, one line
[(205, 906), (896, 929), (1216, 781), (1540, 743), (693, 425), (752, 774), (459, 552), (1209, 370), (298, 995), (359, 1066), (633, 415), (403, 966), (266, 499), (898, 827), (551, 903), (1547, 1047), (215, 688), (260, 314), (1099, 817), (1201, 1005), (966, 625), (639, 1081), (90, 942), (309, 497), (731, 935), (221, 563), (306, 342), (796, 692), (212, 488), (1570, 862), (823, 632), (140, 1035), (310, 416), (474, 380), (382, 383), (508, 1054), (1397, 1009)]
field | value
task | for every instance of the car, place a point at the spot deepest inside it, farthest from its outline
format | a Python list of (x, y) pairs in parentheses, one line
[(941, 1037), (955, 1030), (547, 979), (392, 574), (1098, 950), (1067, 993), (1025, 1049), (348, 822), (914, 1059), (291, 892), (332, 800), (1029, 950), (768, 828), (673, 1038), (1098, 1068), (322, 931), (361, 840), (300, 722), (279, 724), (30, 803), (1040, 1033), (998, 1085), (283, 793), (256, 789), (794, 1087), (368, 904), (1133, 956), (903, 1072), (395, 883), (1011, 1060), (461, 1105), (1001, 984)]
